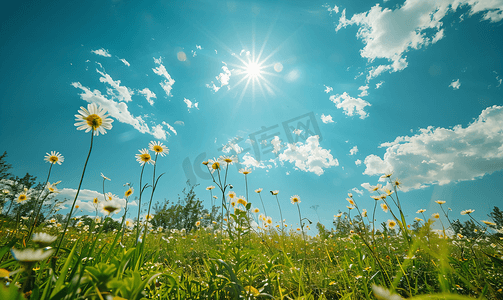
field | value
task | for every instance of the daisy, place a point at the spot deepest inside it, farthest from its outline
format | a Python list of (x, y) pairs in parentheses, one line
[(22, 197), (467, 212), (384, 207), (351, 201), (43, 239), (255, 210), (110, 208), (158, 148), (232, 194), (54, 157), (364, 213), (245, 171), (391, 224), (228, 159), (93, 118), (295, 199), (489, 223), (242, 200), (104, 177), (149, 217), (210, 187), (274, 192), (129, 192), (144, 157), (418, 219), (420, 211), (440, 202), (258, 190), (52, 188), (436, 215), (31, 255), (198, 223)]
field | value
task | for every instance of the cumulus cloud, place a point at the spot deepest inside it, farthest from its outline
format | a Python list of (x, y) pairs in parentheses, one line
[(359, 192), (455, 84), (353, 150), (232, 146), (149, 95), (364, 91), (326, 119), (223, 78), (85, 199), (101, 52), (167, 84), (441, 155), (358, 162), (297, 131), (249, 161), (309, 157), (390, 33), (276, 143), (350, 105), (118, 92), (328, 89), (190, 104)]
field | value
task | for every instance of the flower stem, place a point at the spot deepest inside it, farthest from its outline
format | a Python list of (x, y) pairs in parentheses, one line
[(76, 195)]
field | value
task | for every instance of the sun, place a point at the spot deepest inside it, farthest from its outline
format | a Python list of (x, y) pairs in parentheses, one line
[(252, 69)]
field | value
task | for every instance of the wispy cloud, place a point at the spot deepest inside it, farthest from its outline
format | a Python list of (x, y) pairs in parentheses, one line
[(309, 156), (101, 52), (364, 91), (121, 93), (124, 61), (167, 84), (350, 105), (441, 155), (328, 89)]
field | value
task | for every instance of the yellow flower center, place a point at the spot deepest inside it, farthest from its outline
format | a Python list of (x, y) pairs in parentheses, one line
[(216, 165), (95, 200), (22, 197), (94, 121), (129, 192), (145, 157), (110, 209), (158, 149), (53, 159)]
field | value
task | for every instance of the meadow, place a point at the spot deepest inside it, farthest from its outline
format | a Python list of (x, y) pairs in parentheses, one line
[(234, 251)]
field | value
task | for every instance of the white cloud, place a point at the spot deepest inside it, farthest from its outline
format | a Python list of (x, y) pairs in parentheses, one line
[(222, 78), (390, 33), (117, 110), (276, 143), (101, 52), (328, 89), (179, 123), (378, 85), (123, 93), (455, 84), (232, 145), (170, 127), (358, 162), (158, 132), (309, 157), (167, 85), (190, 104), (359, 192), (125, 62), (249, 161), (199, 47), (297, 131), (149, 95), (350, 105), (441, 155), (85, 198), (326, 119), (353, 150), (364, 91)]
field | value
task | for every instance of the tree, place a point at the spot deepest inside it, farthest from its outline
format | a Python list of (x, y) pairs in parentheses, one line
[(184, 214), (4, 167)]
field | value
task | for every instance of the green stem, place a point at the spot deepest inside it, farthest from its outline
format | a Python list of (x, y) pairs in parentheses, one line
[(76, 195), (39, 206)]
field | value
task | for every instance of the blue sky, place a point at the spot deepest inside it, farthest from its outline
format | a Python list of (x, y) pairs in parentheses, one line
[(412, 87)]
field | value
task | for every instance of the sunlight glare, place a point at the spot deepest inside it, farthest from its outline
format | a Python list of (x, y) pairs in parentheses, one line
[(253, 69)]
